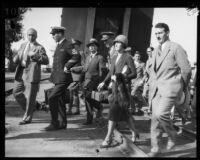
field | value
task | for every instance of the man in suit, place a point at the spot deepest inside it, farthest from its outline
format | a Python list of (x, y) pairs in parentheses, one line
[(137, 84), (170, 74), (74, 99), (28, 73), (146, 78), (63, 60), (108, 38), (92, 74)]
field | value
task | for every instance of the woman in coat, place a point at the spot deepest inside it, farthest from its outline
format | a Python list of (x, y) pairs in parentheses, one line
[(119, 101)]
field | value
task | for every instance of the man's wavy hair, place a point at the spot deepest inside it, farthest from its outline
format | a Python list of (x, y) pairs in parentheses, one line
[(120, 91)]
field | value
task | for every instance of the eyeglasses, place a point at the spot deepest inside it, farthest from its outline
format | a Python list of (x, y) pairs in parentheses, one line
[(148, 51)]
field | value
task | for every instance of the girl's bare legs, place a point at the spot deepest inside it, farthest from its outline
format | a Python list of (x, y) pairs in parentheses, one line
[(131, 125), (111, 127)]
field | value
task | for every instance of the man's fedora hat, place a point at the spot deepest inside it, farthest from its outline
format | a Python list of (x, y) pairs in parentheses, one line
[(93, 41), (57, 29)]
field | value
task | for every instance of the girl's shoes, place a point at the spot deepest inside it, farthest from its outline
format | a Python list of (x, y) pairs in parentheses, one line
[(106, 144), (135, 137)]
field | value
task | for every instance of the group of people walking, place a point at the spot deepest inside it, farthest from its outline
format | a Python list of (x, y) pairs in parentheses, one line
[(163, 81)]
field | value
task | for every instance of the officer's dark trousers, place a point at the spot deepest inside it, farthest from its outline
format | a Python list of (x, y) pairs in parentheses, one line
[(57, 103)]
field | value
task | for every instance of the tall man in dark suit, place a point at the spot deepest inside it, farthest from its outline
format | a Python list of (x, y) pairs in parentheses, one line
[(92, 74), (170, 75), (63, 60), (28, 73)]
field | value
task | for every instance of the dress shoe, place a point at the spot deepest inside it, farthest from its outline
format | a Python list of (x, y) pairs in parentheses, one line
[(154, 154), (106, 143), (76, 113), (170, 144), (51, 127), (63, 125), (38, 105), (44, 107), (24, 122), (69, 113), (87, 123)]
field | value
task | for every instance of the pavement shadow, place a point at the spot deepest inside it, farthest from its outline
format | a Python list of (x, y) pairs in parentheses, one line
[(61, 135)]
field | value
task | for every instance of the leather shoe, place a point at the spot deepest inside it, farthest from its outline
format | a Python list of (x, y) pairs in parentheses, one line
[(170, 145), (52, 127), (24, 122), (154, 154), (63, 125), (87, 123), (69, 113), (76, 113)]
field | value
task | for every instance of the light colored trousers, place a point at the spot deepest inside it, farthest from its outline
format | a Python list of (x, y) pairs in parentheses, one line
[(27, 102), (161, 107)]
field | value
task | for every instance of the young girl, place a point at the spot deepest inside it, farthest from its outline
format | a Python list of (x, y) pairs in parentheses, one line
[(119, 102)]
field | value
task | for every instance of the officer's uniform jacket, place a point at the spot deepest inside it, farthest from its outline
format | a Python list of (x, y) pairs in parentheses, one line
[(63, 57)]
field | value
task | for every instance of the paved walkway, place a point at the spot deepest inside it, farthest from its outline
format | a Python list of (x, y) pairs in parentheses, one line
[(78, 140)]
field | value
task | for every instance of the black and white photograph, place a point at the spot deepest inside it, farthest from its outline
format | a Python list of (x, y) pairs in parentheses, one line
[(100, 81)]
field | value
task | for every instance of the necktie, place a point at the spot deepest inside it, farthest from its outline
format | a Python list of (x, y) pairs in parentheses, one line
[(91, 56), (25, 54)]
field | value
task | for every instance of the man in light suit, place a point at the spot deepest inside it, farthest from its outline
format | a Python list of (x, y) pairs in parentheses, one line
[(170, 74), (28, 74)]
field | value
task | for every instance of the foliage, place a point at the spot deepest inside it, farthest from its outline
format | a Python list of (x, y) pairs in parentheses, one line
[(13, 33)]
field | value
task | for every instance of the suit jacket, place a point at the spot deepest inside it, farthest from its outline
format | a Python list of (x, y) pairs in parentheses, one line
[(171, 75), (125, 59), (63, 57), (32, 71), (140, 69), (93, 70)]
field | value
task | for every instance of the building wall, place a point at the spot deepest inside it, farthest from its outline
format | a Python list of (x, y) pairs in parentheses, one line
[(139, 34), (75, 20)]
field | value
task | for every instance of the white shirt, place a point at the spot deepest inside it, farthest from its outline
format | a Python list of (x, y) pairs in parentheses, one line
[(118, 57), (92, 55), (163, 45), (60, 41)]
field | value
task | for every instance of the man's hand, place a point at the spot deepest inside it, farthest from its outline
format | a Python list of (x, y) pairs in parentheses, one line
[(100, 86), (66, 70), (113, 77), (24, 63)]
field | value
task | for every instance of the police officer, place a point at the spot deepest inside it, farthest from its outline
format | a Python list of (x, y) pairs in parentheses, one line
[(63, 60)]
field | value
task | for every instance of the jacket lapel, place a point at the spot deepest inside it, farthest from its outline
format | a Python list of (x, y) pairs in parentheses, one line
[(163, 55), (154, 59), (112, 68), (23, 48)]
